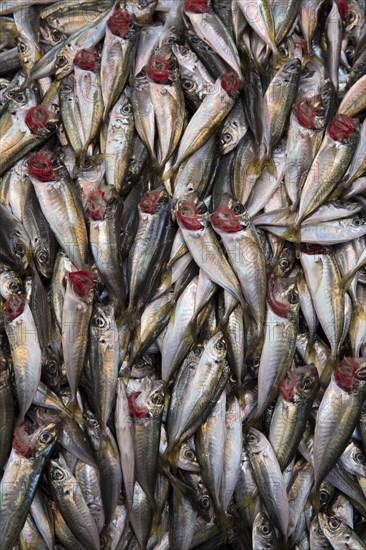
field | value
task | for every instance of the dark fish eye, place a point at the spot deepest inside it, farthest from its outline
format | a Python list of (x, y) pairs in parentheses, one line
[(52, 367), (14, 287), (323, 495), (19, 249), (22, 48), (306, 383), (99, 321), (205, 502), (93, 422), (334, 523), (42, 257), (188, 84), (265, 529), (57, 474), (127, 109), (61, 61), (226, 138), (45, 438), (221, 345), (359, 458), (252, 438), (284, 263), (157, 398), (357, 222), (20, 98), (293, 297), (56, 35), (189, 454)]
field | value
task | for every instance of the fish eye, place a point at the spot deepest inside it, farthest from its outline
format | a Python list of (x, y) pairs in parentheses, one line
[(52, 367), (323, 495), (188, 84), (265, 529), (93, 422), (226, 138), (306, 383), (157, 398), (252, 438), (45, 438), (173, 63), (99, 321), (189, 454), (293, 297), (14, 287), (22, 48), (61, 61), (205, 502), (58, 474), (19, 249), (42, 257), (126, 109), (357, 222), (20, 98), (359, 458), (56, 35), (66, 88), (334, 523), (221, 345), (284, 263)]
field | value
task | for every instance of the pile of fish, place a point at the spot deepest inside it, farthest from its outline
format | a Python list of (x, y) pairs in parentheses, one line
[(182, 274)]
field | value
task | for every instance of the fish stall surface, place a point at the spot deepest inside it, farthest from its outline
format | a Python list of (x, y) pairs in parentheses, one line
[(182, 274)]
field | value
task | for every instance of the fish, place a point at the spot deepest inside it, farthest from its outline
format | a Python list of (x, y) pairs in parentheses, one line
[(182, 274)]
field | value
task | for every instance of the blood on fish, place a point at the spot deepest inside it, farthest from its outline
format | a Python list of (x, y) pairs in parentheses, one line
[(22, 443), (342, 7), (313, 249), (341, 127), (137, 411), (224, 218), (37, 117), (40, 166), (188, 215), (149, 201), (344, 374), (230, 82), (279, 308), (288, 385), (86, 60), (196, 6), (14, 306), (305, 113), (96, 205), (158, 69), (81, 282), (119, 23)]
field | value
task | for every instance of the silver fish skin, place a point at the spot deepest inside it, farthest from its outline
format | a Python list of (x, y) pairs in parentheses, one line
[(125, 440), (338, 533), (25, 351), (31, 448), (269, 478)]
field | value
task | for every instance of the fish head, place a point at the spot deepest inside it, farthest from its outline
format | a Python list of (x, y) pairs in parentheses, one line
[(190, 215), (142, 9), (86, 59), (152, 201), (64, 61), (342, 128), (58, 471), (10, 284), (96, 205), (230, 216), (263, 531), (35, 441), (41, 121), (256, 443), (81, 284), (187, 458), (14, 306), (28, 52), (122, 23), (334, 529), (101, 323), (300, 384), (197, 6), (43, 167), (50, 35), (163, 67), (350, 375), (282, 296)]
